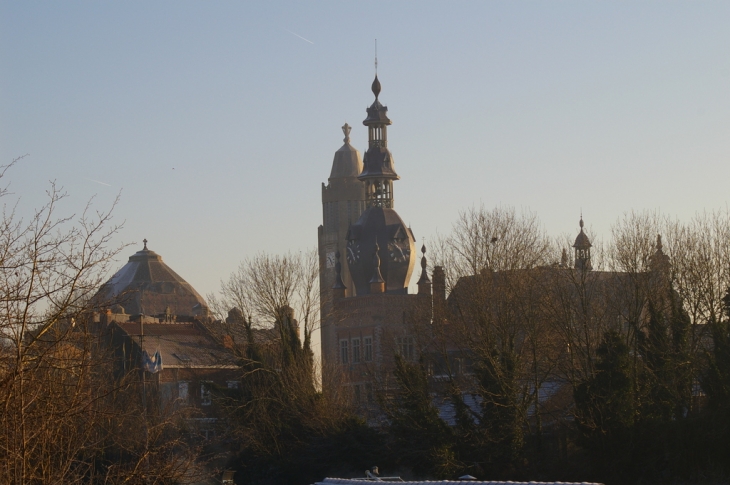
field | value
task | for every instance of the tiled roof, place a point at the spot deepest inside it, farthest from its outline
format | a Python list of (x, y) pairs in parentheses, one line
[(149, 286), (181, 344)]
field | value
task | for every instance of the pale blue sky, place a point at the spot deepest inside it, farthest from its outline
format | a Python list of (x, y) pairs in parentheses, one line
[(552, 106)]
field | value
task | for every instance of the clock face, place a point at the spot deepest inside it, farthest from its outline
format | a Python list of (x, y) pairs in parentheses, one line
[(399, 250), (331, 259), (353, 251)]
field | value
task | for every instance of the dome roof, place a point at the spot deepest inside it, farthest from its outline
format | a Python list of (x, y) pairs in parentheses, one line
[(147, 285), (378, 163), (381, 228), (582, 241)]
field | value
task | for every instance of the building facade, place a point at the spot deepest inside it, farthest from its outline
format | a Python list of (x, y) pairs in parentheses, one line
[(147, 308)]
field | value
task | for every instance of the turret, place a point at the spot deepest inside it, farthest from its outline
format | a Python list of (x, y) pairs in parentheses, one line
[(582, 247), (378, 168)]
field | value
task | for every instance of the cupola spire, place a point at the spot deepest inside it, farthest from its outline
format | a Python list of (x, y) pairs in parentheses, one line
[(582, 247), (424, 283), (378, 167)]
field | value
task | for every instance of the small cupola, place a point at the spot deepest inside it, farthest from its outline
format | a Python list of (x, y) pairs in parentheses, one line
[(378, 166), (582, 247)]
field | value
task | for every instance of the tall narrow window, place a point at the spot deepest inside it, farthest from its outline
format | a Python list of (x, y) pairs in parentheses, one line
[(343, 352), (182, 391), (358, 397), (205, 396), (356, 351), (406, 347), (368, 349)]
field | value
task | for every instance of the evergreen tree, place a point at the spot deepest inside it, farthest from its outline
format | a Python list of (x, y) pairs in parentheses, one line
[(502, 436), (604, 404), (715, 381), (422, 439), (656, 377)]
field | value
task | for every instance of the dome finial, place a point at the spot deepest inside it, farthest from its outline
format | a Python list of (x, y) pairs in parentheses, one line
[(346, 130), (145, 244), (376, 87), (424, 283)]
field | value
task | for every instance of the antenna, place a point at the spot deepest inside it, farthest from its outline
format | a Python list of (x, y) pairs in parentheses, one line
[(376, 57)]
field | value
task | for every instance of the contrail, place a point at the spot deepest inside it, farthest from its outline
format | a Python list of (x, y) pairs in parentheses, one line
[(292, 33), (102, 183)]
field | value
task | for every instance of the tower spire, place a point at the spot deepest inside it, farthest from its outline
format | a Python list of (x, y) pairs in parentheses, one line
[(378, 172), (424, 283), (376, 58)]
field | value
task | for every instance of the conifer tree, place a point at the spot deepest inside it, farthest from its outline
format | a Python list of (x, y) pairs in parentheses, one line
[(604, 403), (422, 438)]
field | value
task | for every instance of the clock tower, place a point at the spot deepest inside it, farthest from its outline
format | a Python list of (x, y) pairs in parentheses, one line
[(368, 316), (379, 229)]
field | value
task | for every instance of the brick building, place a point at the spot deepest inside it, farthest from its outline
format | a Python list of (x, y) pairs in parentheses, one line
[(147, 307)]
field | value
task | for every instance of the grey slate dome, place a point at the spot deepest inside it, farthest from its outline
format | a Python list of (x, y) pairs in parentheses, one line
[(582, 241), (382, 228), (148, 286)]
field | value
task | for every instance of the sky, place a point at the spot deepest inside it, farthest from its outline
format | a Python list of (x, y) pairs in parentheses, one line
[(216, 122)]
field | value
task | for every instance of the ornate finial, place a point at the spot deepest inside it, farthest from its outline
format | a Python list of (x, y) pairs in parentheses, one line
[(376, 84), (145, 245), (659, 242), (423, 280), (376, 87), (581, 221), (346, 129)]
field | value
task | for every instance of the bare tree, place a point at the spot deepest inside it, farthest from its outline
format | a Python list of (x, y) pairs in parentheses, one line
[(269, 288), (493, 260), (67, 416), (50, 266), (495, 240)]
